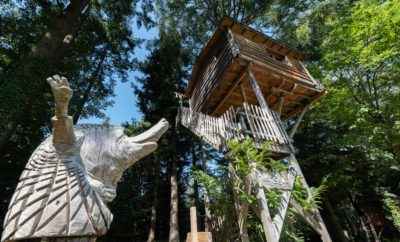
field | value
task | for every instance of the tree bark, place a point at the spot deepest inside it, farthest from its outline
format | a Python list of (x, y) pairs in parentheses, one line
[(52, 48), (240, 207), (95, 76), (59, 37), (173, 222), (335, 221), (153, 219), (195, 195), (207, 218)]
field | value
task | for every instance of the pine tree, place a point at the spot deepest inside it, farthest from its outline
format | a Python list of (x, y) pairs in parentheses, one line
[(164, 75)]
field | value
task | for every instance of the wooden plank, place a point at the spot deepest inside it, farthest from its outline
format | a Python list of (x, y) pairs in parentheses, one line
[(280, 104), (258, 130), (292, 77), (298, 121), (231, 89), (265, 216), (251, 120), (257, 90), (193, 225), (243, 92), (279, 218), (266, 125), (264, 106), (314, 219)]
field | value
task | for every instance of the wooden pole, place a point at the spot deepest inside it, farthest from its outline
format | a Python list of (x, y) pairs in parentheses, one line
[(280, 105), (257, 90), (265, 216), (240, 207), (298, 121), (193, 225), (207, 219), (315, 219)]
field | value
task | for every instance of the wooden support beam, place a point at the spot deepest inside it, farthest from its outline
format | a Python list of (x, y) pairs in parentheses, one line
[(280, 105), (314, 217), (300, 79), (257, 90), (264, 106), (240, 207), (265, 216), (298, 121), (231, 90), (193, 224), (243, 93)]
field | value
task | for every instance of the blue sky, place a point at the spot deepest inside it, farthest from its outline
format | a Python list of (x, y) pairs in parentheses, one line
[(125, 108)]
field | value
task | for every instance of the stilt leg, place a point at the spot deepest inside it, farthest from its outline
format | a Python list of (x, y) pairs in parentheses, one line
[(240, 207), (314, 218)]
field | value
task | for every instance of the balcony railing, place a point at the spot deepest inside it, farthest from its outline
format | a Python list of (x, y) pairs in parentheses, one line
[(238, 123)]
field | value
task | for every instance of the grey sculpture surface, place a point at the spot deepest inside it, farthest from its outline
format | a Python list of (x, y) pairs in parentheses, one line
[(63, 191)]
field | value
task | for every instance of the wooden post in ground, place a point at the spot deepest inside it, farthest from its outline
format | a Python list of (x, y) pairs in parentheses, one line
[(193, 224)]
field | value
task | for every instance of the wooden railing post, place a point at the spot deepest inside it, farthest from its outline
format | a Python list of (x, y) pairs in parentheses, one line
[(193, 225)]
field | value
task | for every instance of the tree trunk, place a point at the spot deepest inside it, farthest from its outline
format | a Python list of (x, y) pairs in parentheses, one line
[(173, 221), (52, 48), (94, 77), (59, 37), (6, 135), (207, 217), (366, 224), (153, 219), (335, 222), (195, 196), (240, 207)]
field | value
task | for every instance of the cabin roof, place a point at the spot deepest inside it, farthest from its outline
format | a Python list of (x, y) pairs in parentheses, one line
[(247, 32)]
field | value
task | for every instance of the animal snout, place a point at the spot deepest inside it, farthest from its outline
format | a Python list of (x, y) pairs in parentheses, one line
[(153, 134)]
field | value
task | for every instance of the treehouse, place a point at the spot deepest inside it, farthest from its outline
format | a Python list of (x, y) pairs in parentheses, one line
[(220, 77), (243, 84)]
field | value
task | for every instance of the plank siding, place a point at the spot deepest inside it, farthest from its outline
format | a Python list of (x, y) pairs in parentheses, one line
[(222, 68)]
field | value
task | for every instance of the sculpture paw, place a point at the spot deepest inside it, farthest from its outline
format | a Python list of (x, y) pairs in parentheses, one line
[(60, 88)]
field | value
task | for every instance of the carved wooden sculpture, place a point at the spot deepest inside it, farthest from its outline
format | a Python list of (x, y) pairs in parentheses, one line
[(63, 191)]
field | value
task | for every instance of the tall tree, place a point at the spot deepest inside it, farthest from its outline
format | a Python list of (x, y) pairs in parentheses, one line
[(90, 42), (164, 75)]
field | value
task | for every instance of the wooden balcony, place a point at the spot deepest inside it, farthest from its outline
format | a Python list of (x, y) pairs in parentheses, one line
[(238, 123)]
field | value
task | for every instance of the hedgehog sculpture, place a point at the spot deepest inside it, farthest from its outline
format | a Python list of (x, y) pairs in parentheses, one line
[(63, 191)]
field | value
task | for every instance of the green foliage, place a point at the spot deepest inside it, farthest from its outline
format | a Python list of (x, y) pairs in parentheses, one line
[(392, 206), (245, 154), (216, 190), (311, 199)]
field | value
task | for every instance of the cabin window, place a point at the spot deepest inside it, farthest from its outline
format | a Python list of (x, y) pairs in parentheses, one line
[(277, 57)]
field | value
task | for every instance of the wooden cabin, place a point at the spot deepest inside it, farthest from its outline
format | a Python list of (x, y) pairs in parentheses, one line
[(220, 81), (244, 84)]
